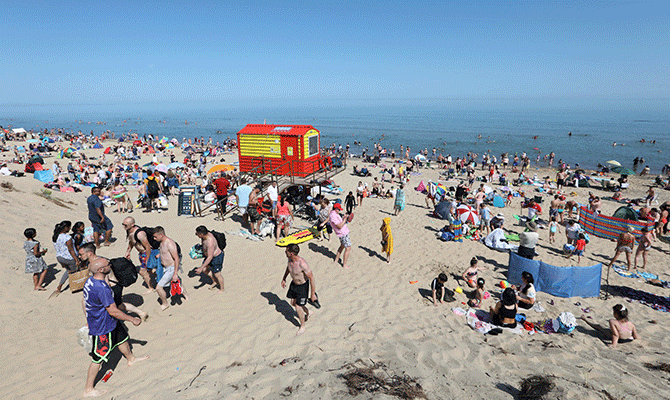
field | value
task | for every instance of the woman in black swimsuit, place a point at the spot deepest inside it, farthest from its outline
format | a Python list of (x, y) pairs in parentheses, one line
[(504, 313)]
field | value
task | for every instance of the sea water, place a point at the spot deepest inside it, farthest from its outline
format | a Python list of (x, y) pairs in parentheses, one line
[(450, 130)]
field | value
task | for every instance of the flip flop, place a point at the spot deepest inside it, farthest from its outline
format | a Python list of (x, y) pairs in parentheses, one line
[(315, 303)]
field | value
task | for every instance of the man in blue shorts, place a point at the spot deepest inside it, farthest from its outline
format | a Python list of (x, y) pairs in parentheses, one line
[(213, 261), (103, 318), (96, 214)]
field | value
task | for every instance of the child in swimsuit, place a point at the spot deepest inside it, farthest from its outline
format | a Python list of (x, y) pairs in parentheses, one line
[(479, 294), (470, 274), (621, 330), (553, 228)]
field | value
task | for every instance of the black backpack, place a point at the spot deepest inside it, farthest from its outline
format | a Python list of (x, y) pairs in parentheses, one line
[(220, 239), (124, 271), (152, 186)]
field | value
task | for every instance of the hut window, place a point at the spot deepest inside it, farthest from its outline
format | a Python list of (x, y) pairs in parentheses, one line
[(313, 145)]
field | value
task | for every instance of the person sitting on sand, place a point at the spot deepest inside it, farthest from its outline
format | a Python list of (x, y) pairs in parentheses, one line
[(504, 312), (437, 288), (621, 330), (470, 274), (526, 296), (478, 294)]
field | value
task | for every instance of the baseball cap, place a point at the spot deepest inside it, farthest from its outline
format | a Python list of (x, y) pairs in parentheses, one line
[(337, 206)]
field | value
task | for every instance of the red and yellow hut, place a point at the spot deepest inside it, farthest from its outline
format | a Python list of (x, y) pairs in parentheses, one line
[(280, 149)]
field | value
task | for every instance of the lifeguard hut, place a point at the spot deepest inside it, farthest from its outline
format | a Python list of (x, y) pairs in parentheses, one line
[(293, 150)]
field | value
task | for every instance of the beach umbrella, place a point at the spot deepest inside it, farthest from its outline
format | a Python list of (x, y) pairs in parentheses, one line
[(488, 189), (162, 168), (176, 165), (623, 170), (467, 214), (613, 163), (220, 168), (420, 157), (137, 143)]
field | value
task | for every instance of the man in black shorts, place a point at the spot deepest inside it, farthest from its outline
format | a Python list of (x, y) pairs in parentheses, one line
[(299, 291), (104, 319)]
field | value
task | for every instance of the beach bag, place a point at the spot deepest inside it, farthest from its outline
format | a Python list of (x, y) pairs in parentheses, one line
[(163, 201), (124, 271), (220, 239), (84, 339), (568, 248), (77, 280), (566, 322), (447, 236), (196, 252), (152, 186)]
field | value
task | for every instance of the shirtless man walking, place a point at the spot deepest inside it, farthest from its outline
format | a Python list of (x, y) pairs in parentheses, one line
[(213, 262), (171, 262), (300, 288), (142, 240)]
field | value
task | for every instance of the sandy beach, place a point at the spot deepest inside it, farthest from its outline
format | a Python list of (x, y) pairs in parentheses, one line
[(241, 344)]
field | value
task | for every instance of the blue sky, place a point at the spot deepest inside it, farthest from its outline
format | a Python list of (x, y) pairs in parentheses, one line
[(274, 52)]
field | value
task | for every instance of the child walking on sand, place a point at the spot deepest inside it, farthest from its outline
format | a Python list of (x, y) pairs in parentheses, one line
[(580, 244), (34, 262), (621, 330), (553, 228)]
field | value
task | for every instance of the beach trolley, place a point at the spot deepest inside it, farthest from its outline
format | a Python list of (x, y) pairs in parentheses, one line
[(280, 149)]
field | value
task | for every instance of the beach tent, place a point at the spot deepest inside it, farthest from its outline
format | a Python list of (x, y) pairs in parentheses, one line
[(45, 176), (609, 227), (442, 209), (625, 212), (108, 150), (19, 130), (150, 150), (20, 149), (36, 159), (137, 143), (98, 146), (557, 281), (421, 188), (498, 201)]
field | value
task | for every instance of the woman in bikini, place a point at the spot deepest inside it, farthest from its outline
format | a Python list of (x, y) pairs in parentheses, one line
[(470, 274), (504, 313), (624, 244), (621, 330)]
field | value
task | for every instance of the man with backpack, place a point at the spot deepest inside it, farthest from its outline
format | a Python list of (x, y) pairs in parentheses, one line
[(103, 318), (142, 239), (212, 243), (152, 188)]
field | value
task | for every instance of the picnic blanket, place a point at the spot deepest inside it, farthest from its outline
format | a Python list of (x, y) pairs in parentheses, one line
[(480, 321)]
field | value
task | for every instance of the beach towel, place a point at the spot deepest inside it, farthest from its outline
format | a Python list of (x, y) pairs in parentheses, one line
[(387, 245), (621, 270), (480, 321), (458, 234)]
